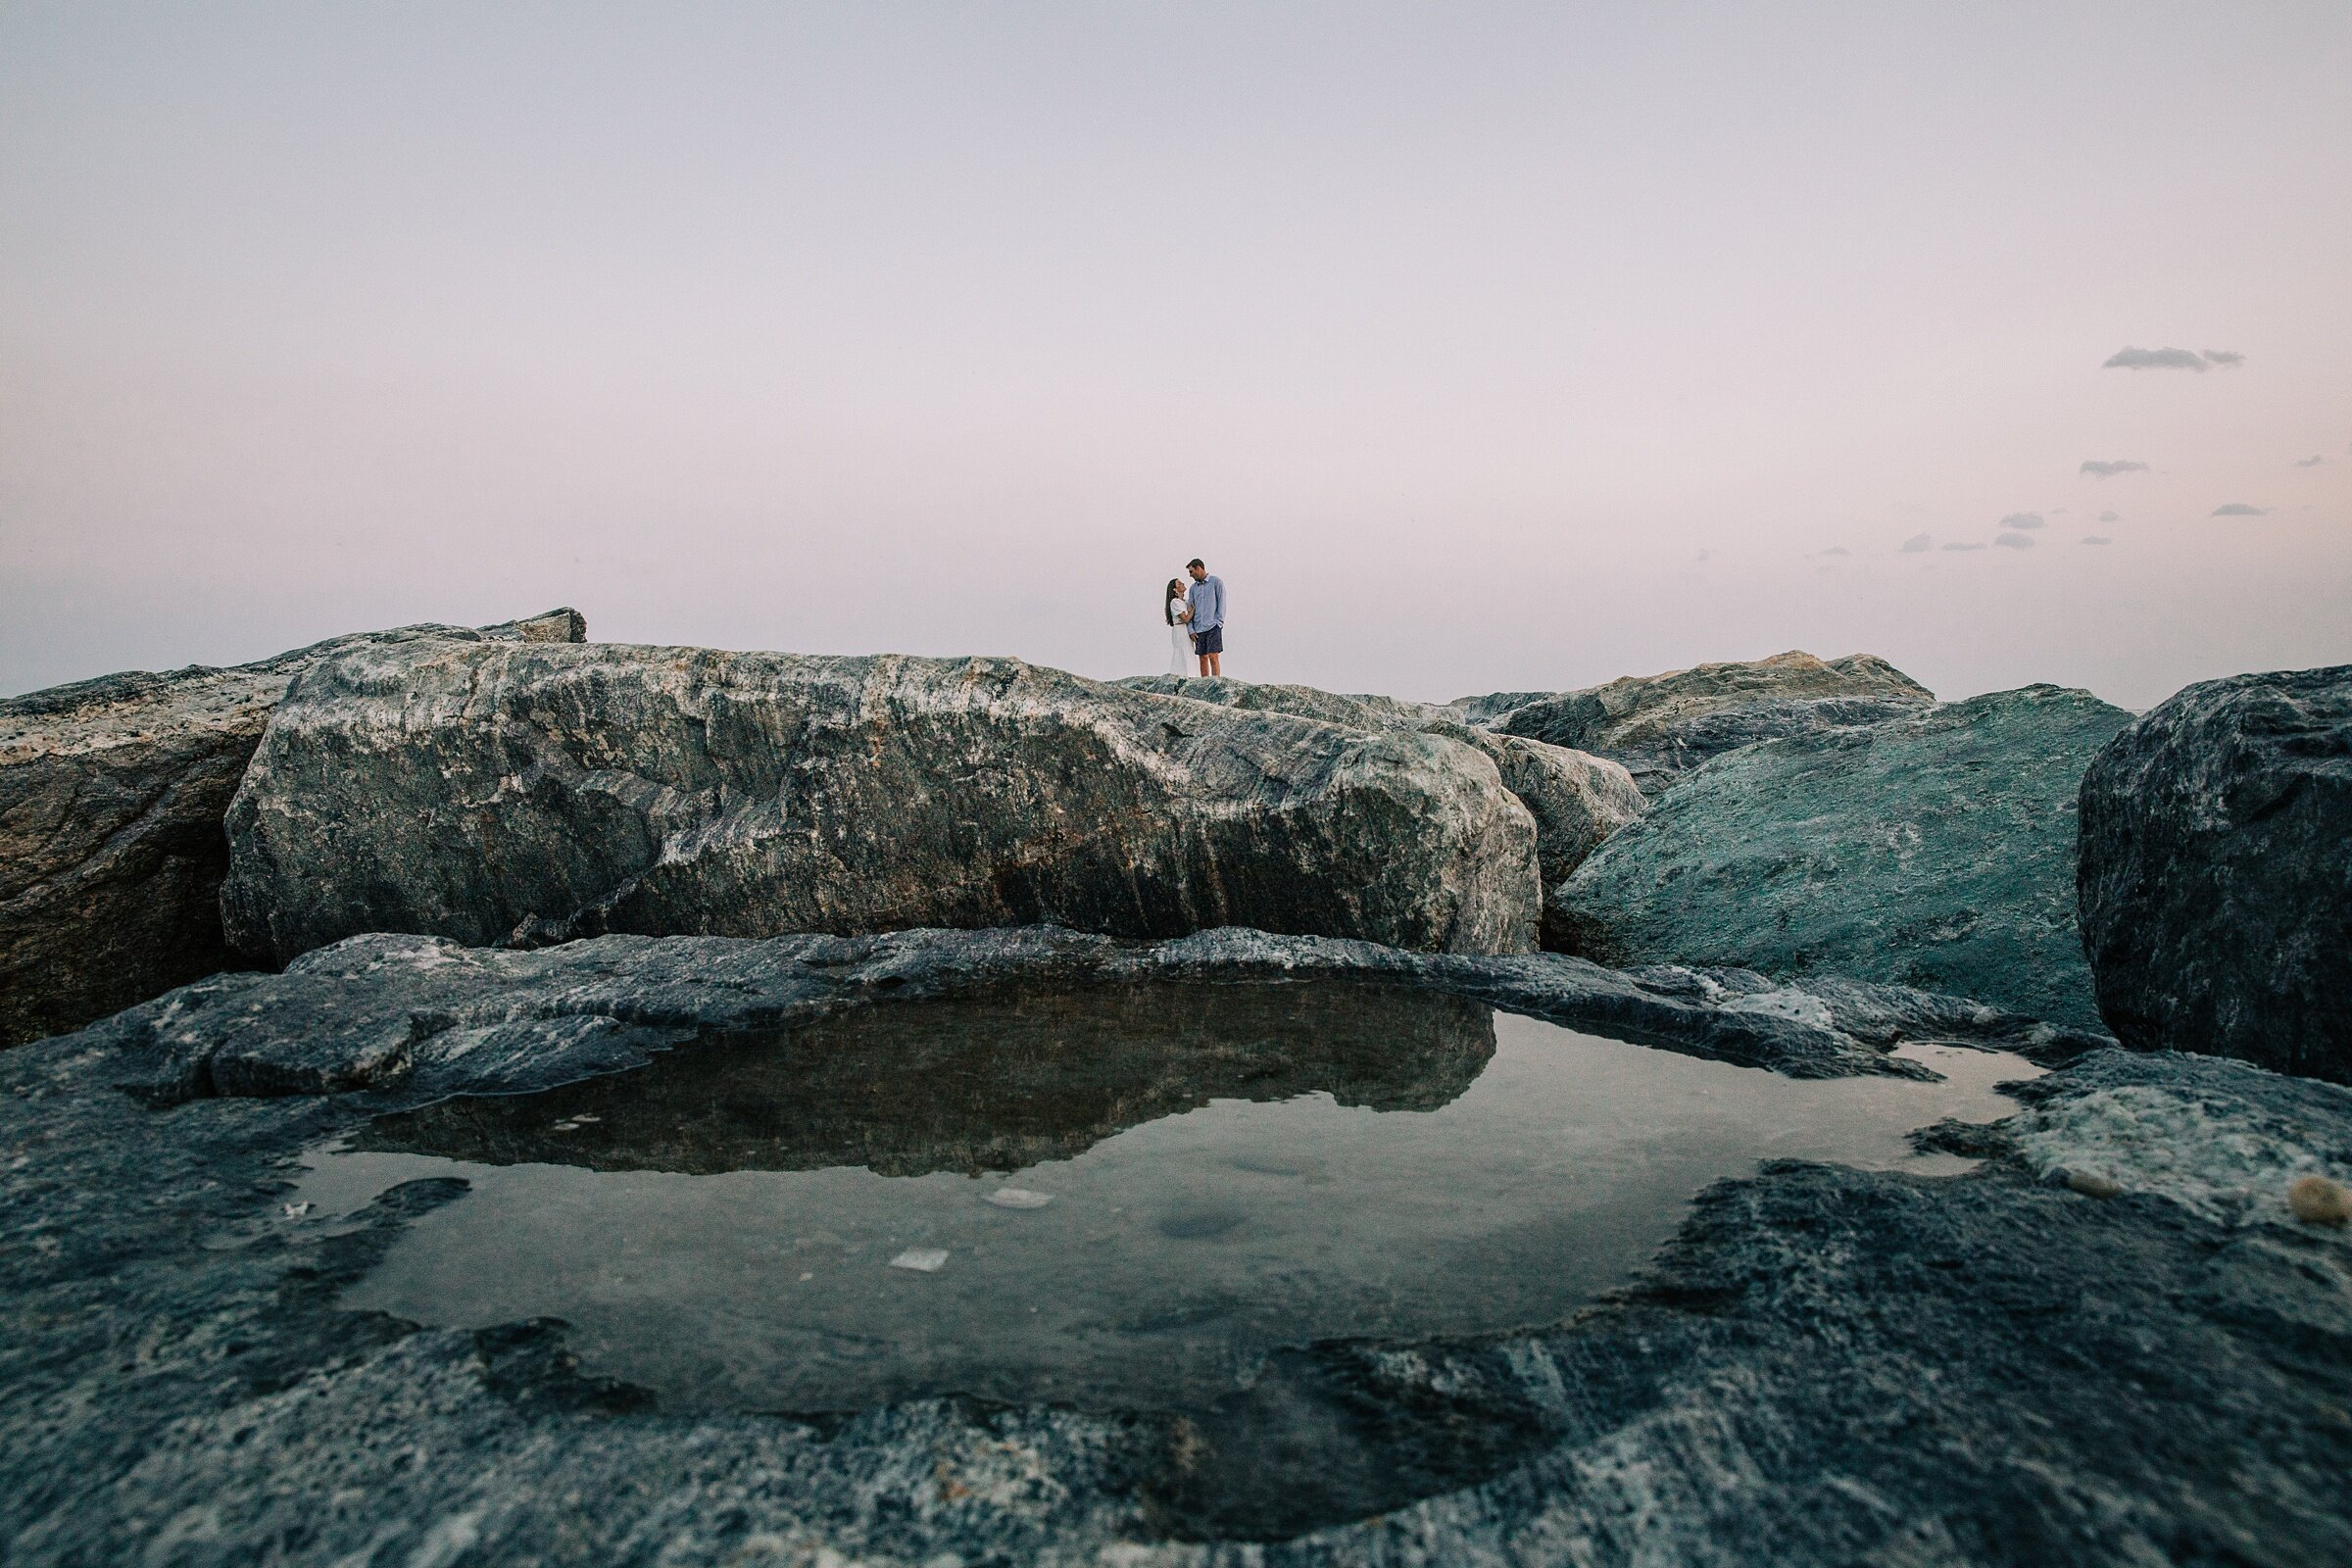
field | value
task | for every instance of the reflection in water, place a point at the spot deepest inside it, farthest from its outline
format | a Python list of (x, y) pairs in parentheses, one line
[(1141, 1193), (997, 1084)]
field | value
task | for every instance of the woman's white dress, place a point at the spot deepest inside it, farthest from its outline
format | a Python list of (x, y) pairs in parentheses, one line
[(1180, 649)]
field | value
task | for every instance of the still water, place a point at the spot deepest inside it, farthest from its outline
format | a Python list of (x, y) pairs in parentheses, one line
[(1120, 1198)]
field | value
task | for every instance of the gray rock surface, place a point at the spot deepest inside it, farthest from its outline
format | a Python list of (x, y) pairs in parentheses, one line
[(1359, 711), (497, 792), (1826, 1366), (2216, 872), (1935, 852), (1577, 799), (1661, 726), (112, 793)]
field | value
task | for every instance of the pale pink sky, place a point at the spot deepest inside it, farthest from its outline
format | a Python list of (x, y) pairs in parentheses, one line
[(1477, 346)]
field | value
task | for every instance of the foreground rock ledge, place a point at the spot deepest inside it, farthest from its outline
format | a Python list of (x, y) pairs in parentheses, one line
[(112, 793), (524, 794), (1825, 1366)]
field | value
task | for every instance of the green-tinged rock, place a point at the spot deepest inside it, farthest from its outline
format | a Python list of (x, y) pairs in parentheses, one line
[(1936, 851), (1661, 726)]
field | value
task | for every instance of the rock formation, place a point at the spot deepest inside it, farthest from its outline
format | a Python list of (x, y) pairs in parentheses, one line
[(1577, 799), (495, 793), (1661, 726), (1935, 852), (2035, 1376), (112, 793), (2216, 873)]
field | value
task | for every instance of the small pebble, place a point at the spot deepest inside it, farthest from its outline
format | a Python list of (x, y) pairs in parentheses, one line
[(2317, 1201), (922, 1259), (2090, 1186), (1019, 1198)]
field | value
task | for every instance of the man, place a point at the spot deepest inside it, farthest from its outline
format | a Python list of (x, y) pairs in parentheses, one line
[(1206, 599)]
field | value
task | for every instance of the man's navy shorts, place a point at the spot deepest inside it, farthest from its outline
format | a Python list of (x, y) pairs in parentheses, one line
[(1211, 641)]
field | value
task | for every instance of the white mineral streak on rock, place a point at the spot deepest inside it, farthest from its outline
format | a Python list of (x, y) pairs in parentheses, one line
[(922, 1259)]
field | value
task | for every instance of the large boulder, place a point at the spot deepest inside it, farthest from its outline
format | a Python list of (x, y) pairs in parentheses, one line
[(1935, 852), (1577, 799), (2215, 884), (498, 793), (112, 793), (1661, 726)]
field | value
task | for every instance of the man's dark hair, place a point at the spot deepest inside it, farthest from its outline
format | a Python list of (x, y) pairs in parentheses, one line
[(1197, 561)]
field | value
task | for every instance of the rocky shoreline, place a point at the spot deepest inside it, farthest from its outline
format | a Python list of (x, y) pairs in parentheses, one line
[(494, 862), (1829, 1362)]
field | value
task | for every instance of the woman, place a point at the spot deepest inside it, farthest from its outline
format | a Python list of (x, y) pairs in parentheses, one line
[(1180, 637)]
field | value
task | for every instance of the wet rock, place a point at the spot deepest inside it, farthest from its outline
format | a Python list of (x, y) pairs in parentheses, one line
[(499, 793), (1661, 726), (1935, 852), (1577, 799), (422, 1014), (112, 794), (2216, 875), (1892, 1368)]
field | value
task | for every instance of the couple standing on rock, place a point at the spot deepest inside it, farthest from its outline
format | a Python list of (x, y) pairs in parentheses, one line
[(1196, 622)]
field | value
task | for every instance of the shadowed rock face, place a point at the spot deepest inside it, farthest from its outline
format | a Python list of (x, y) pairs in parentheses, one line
[(502, 793), (1577, 799), (1935, 852), (998, 1083), (2216, 873), (112, 793), (1661, 726)]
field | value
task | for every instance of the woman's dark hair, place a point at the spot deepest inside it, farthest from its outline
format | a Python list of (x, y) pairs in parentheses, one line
[(1167, 606)]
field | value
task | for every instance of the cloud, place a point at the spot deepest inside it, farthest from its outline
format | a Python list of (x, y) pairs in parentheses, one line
[(1837, 550), (2170, 360), (2096, 539), (1704, 554), (2109, 517), (2239, 508), (1963, 547), (1918, 543), (2108, 470), (2015, 541), (2024, 519), (2310, 461)]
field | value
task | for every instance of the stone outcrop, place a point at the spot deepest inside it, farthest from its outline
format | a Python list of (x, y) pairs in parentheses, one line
[(1935, 852), (1661, 726), (112, 793), (2216, 873), (1577, 799), (1357, 710), (2040, 1376), (498, 793)]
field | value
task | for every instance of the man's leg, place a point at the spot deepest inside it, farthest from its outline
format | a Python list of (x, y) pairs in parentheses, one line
[(1216, 663)]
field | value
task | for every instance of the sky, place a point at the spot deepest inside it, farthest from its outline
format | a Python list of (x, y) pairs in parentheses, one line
[(1475, 346)]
